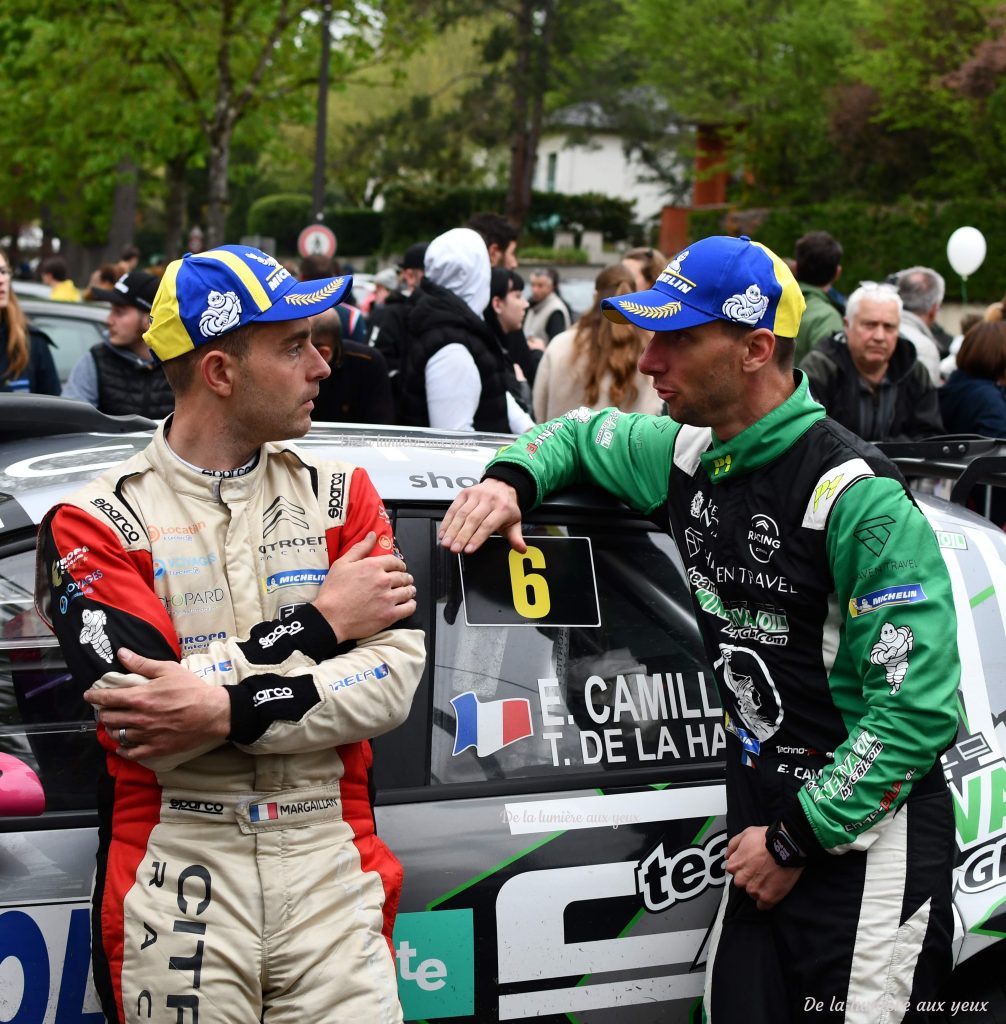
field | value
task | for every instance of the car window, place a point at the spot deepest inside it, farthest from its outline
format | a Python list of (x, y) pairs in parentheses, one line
[(44, 723), (71, 338), (605, 672)]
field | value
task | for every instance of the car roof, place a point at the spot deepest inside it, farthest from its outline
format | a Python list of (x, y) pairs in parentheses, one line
[(97, 311), (49, 447)]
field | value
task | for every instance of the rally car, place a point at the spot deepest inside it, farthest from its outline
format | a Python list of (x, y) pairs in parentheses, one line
[(556, 794)]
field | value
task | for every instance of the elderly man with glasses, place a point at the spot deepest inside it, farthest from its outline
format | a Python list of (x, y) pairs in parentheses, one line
[(870, 379)]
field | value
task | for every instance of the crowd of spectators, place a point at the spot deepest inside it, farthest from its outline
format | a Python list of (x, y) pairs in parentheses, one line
[(451, 336)]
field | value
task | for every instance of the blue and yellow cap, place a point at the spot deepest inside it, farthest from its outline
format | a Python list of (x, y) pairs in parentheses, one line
[(208, 294), (717, 278)]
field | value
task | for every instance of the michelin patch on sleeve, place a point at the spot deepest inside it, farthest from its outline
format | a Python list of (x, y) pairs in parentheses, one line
[(828, 489), (905, 593)]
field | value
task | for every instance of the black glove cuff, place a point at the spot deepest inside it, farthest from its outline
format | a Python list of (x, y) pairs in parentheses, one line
[(519, 479)]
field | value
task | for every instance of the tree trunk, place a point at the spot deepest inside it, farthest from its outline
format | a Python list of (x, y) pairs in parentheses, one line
[(219, 168), (123, 224), (174, 206), (530, 82)]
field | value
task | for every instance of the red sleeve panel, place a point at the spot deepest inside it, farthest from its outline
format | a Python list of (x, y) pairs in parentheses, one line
[(100, 596), (364, 512)]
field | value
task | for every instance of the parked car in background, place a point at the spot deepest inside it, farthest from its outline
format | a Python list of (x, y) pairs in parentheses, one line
[(31, 289), (556, 794), (73, 328)]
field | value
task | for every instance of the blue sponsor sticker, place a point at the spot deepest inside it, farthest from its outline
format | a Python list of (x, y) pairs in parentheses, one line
[(907, 593), (294, 578), (377, 672)]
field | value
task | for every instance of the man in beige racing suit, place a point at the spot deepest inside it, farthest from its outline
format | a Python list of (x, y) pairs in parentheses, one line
[(227, 603)]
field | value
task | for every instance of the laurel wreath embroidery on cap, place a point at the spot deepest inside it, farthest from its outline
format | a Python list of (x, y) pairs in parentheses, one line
[(651, 312), (311, 297)]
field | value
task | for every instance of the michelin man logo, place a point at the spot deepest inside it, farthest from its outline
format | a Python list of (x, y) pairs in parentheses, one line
[(94, 634), (223, 311), (748, 308), (891, 651), (674, 267)]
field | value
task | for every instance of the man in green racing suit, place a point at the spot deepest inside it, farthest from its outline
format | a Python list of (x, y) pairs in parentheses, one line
[(827, 613)]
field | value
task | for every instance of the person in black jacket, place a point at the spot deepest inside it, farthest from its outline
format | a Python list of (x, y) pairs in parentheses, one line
[(358, 389), (869, 378), (455, 373), (26, 364), (120, 377)]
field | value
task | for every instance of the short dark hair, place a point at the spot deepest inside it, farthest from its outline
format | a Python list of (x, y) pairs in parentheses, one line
[(983, 351), (494, 229), (181, 370), (313, 268), (54, 265), (817, 256), (129, 252), (503, 281)]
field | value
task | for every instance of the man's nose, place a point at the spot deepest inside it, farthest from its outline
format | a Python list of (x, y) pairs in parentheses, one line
[(319, 369), (651, 361)]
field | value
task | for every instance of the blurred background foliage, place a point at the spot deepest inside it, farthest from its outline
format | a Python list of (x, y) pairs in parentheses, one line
[(880, 120)]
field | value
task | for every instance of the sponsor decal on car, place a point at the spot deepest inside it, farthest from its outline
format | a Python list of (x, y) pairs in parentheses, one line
[(490, 725), (435, 957)]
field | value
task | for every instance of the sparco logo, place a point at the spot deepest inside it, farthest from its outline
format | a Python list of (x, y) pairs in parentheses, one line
[(283, 629), (763, 538), (281, 510), (336, 493), (117, 519), (199, 806), (272, 693)]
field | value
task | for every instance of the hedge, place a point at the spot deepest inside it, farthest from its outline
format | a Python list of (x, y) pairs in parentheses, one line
[(414, 214), (878, 240), (284, 215)]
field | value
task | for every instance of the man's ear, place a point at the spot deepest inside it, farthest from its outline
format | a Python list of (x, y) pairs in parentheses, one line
[(325, 350), (760, 347), (218, 370)]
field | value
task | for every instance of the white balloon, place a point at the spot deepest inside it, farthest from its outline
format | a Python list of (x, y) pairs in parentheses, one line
[(966, 251)]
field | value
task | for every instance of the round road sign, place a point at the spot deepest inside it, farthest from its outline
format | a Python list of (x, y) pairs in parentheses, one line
[(316, 240)]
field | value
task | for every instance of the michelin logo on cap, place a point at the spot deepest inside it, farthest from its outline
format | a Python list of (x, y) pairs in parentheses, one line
[(221, 314)]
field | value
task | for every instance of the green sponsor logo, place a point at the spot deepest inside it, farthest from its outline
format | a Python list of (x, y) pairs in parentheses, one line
[(435, 956), (956, 541)]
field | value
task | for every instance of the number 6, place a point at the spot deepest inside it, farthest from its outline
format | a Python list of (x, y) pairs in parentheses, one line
[(530, 589)]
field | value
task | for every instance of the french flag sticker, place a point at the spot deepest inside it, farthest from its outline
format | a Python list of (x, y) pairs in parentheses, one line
[(263, 812), (490, 726)]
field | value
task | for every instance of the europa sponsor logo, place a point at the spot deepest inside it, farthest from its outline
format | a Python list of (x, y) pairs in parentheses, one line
[(183, 565), (199, 641), (294, 578), (377, 672), (169, 533), (908, 593)]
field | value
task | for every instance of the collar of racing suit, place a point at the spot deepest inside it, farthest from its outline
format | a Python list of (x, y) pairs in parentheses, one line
[(764, 441), (207, 485)]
